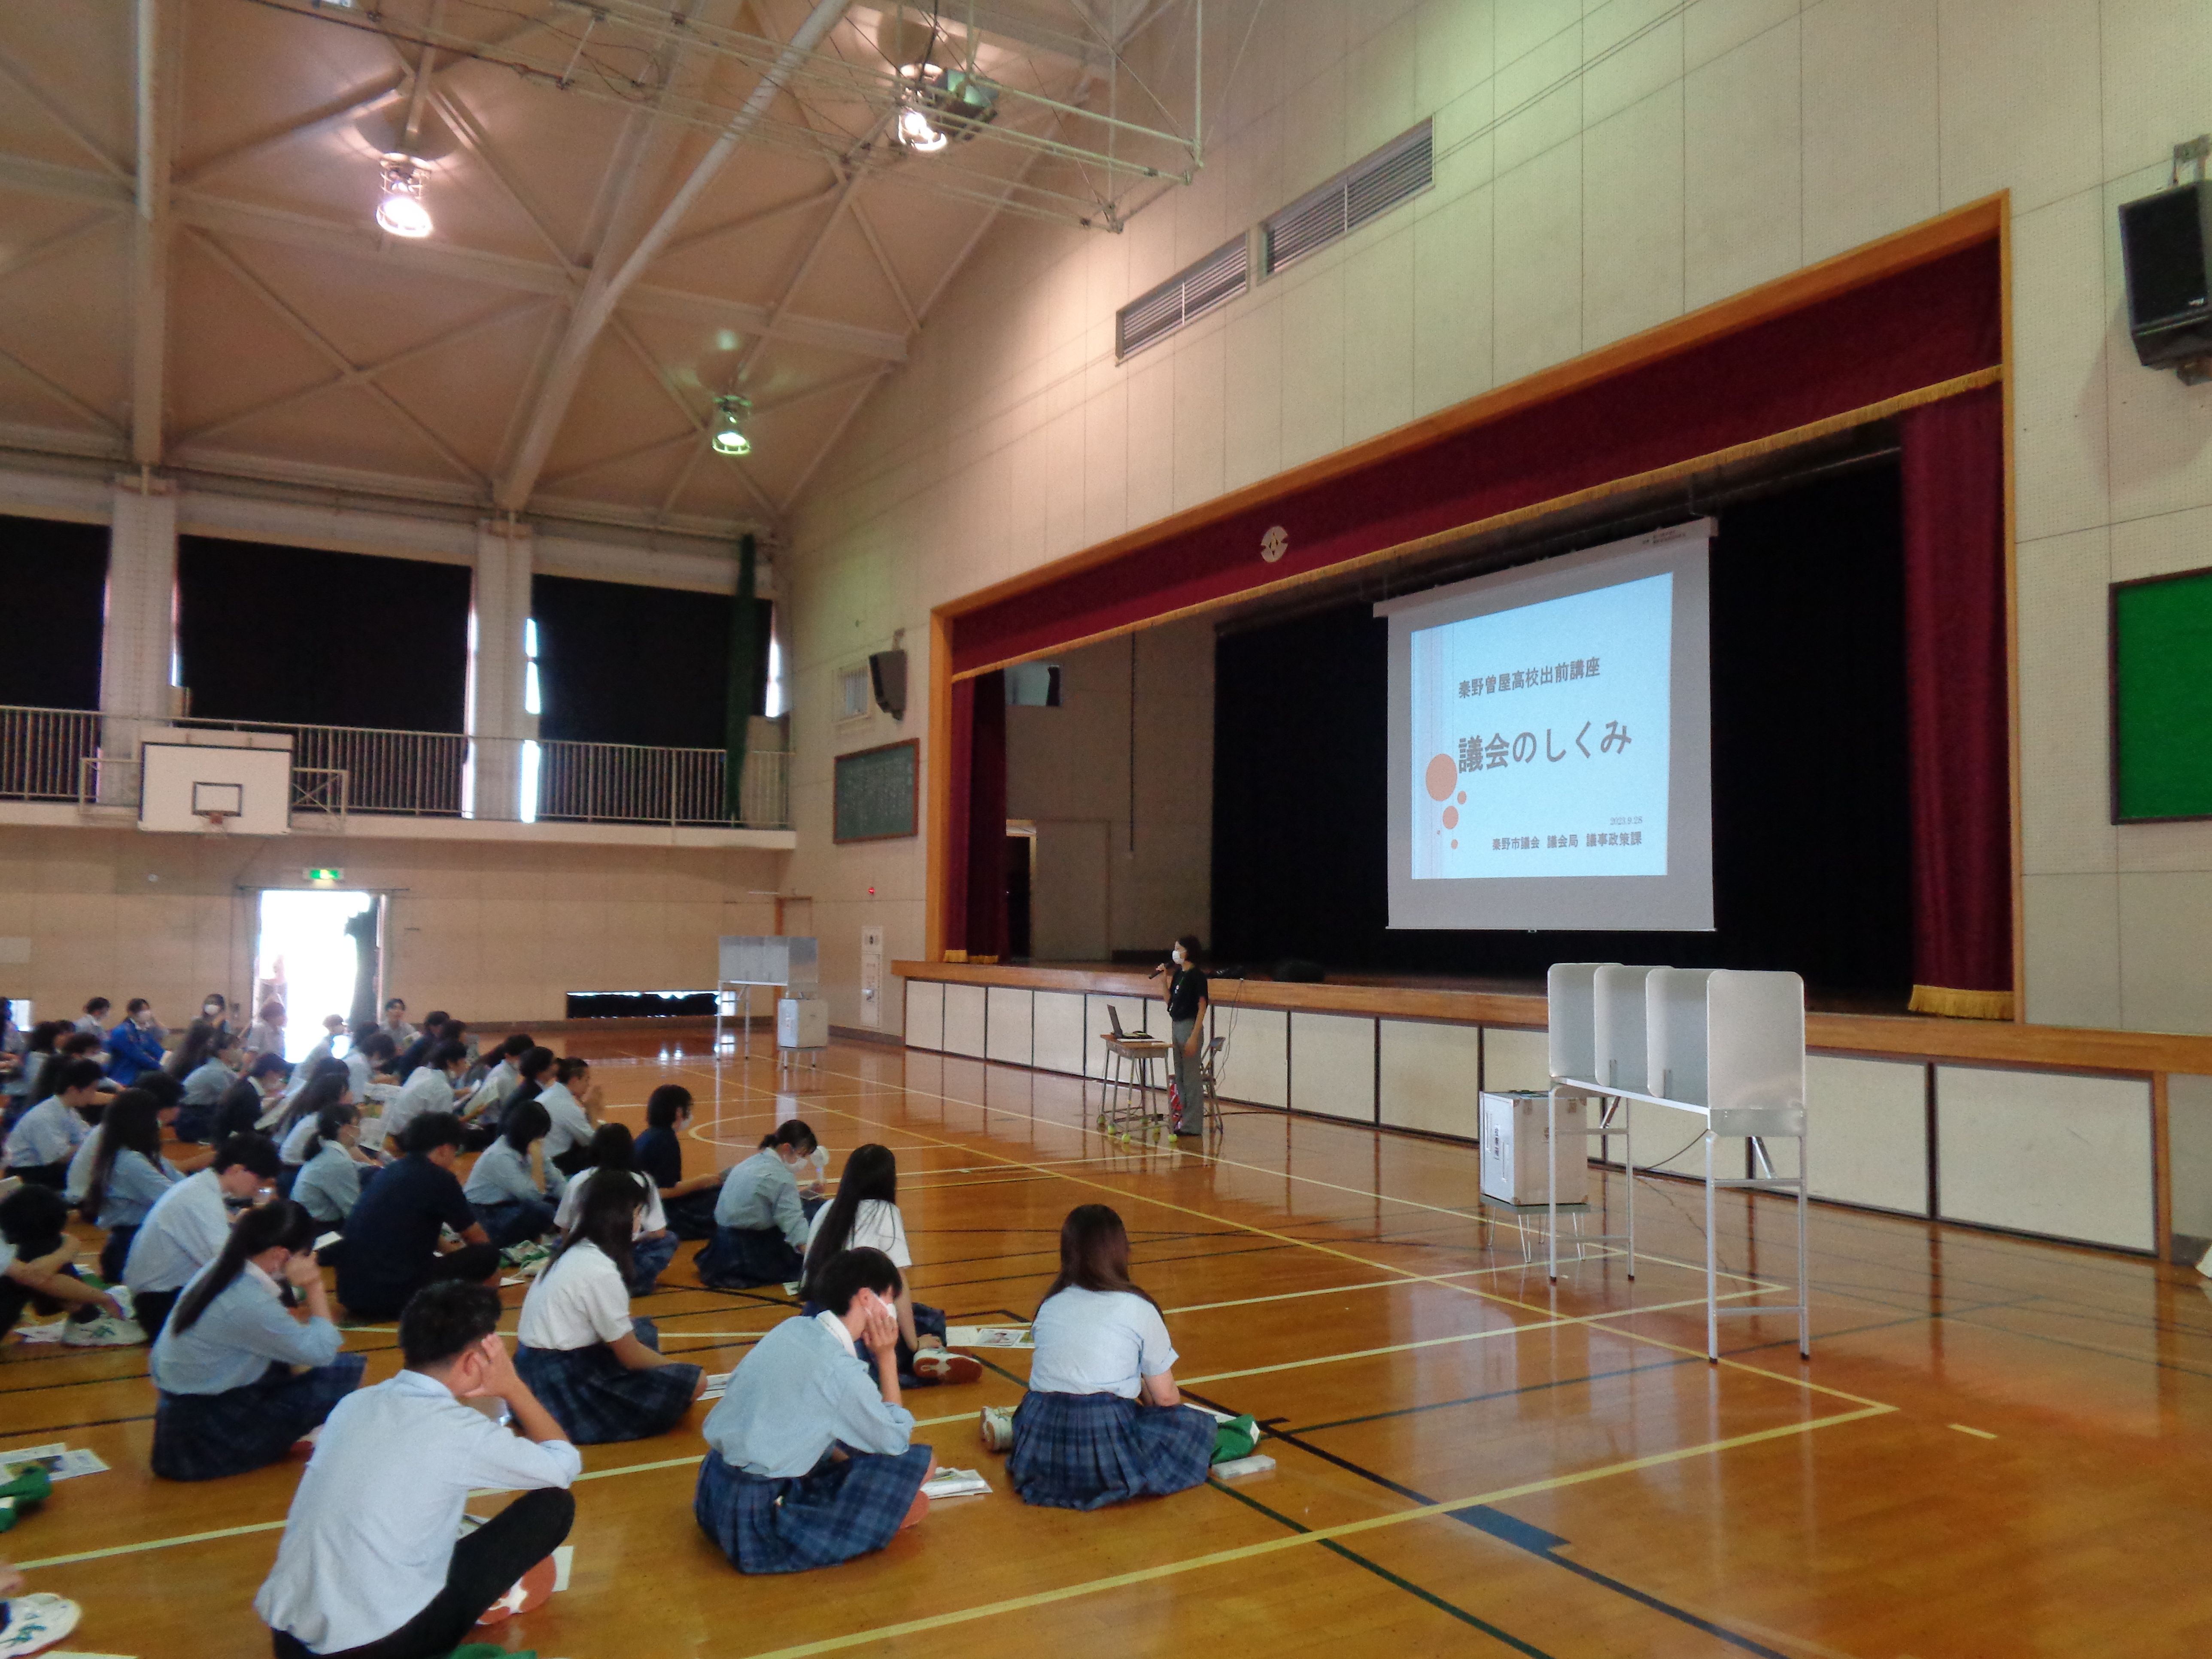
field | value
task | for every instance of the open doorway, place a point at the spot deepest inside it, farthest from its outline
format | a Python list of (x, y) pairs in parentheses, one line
[(315, 950)]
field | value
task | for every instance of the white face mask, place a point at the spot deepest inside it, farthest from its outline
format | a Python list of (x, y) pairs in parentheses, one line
[(1179, 958), (211, 1009)]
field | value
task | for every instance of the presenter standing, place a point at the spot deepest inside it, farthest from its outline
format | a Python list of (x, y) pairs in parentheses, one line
[(1187, 1016)]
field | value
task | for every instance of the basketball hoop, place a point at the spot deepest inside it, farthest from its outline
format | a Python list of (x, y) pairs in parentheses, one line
[(216, 817)]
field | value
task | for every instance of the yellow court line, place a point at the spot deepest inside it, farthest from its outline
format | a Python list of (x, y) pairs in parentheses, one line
[(1298, 1540), (1329, 1249)]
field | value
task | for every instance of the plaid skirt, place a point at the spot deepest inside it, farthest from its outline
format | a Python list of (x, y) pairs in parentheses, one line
[(648, 1260), (1085, 1451), (205, 1437), (839, 1510), (739, 1258), (513, 1221), (596, 1398)]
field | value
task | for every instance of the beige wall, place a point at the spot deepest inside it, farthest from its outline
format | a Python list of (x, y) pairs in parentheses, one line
[(1099, 888), (497, 932), (1596, 177)]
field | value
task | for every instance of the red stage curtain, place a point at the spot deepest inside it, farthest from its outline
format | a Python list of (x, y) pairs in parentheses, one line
[(1959, 724), (1892, 336), (976, 837)]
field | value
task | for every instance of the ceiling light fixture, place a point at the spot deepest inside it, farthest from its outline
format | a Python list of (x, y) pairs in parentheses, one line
[(401, 212), (917, 134), (730, 412)]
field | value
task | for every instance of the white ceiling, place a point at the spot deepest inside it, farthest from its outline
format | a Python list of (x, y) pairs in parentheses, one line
[(190, 278)]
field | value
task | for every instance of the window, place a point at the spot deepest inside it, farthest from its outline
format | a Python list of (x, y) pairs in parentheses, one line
[(1182, 299), (853, 692), (772, 705), (1398, 171), (533, 701)]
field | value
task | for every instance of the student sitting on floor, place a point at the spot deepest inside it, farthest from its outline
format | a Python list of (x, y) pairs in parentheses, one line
[(95, 1017), (391, 1236), (41, 1146), (810, 1460), (302, 1117), (256, 1095), (206, 1081), (127, 1178), (162, 1090), (865, 1215), (510, 1205), (229, 1398), (25, 1088), (429, 1089), (571, 1101), (1103, 1420), (187, 1226), (369, 1060), (36, 1253), (689, 1205), (134, 1046), (330, 1181), (600, 1371), (416, 1051), (368, 1565), (480, 1115), (614, 1159), (760, 1221)]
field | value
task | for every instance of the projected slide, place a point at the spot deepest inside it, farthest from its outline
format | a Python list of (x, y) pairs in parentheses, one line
[(1551, 744), (1541, 737)]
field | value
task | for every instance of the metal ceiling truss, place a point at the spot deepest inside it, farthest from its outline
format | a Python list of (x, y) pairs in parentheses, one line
[(603, 50)]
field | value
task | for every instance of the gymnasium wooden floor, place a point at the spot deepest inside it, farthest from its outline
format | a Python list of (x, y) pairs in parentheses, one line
[(1998, 1448)]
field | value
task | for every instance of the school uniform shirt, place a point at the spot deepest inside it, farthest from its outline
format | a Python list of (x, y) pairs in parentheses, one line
[(651, 1220), (132, 1049), (659, 1156), (182, 1233), (412, 1056), (358, 1074), (135, 1185), (81, 1163), (263, 1038), (295, 1149), (1098, 1342), (801, 1390), (572, 1125), (392, 1235), (237, 1337), (429, 1090), (762, 1193), (208, 1083), (371, 1530), (502, 1175), (577, 1303), (329, 1184), (876, 1226), (48, 1133), (498, 1084), (400, 1032)]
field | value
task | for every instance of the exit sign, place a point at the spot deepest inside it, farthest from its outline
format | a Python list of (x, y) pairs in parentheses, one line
[(326, 875)]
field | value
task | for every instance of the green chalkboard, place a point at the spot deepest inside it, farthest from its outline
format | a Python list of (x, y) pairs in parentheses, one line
[(875, 792), (2161, 644)]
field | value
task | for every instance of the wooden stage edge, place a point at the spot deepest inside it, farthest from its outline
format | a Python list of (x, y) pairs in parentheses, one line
[(1919, 1037)]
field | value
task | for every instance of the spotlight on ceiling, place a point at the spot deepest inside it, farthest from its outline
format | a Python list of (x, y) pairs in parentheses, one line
[(730, 412), (401, 212), (917, 134)]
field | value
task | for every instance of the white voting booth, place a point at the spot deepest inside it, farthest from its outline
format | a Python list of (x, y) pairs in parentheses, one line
[(790, 966), (1724, 1045)]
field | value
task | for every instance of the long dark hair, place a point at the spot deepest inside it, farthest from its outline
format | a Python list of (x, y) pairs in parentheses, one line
[(612, 1146), (132, 1123), (320, 1091), (1094, 1254), (607, 1216), (329, 1119), (792, 1132), (278, 1222), (869, 1172), (199, 1042), (522, 1122)]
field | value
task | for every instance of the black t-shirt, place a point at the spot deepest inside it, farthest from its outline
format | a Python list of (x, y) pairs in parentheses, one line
[(659, 1157), (417, 1053), (392, 1233), (1185, 992)]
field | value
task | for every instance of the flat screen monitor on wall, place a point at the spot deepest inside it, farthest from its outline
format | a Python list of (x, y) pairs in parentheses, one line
[(1550, 739)]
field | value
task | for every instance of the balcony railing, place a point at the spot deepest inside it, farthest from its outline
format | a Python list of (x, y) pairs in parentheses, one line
[(61, 755)]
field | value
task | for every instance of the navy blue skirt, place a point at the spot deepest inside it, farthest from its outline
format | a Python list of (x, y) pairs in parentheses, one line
[(842, 1508), (598, 1399), (739, 1258), (1085, 1451), (205, 1437), (515, 1221)]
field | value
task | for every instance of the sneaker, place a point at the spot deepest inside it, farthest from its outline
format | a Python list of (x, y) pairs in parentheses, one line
[(104, 1331), (997, 1426), (36, 1622), (943, 1366)]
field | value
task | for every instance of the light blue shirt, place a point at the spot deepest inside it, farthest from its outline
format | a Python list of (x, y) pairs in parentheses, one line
[(135, 1186), (427, 1089), (1098, 1342), (181, 1234), (80, 1169), (47, 1133), (236, 1339), (328, 1184), (762, 1193), (799, 1391), (206, 1084), (501, 1176), (371, 1531)]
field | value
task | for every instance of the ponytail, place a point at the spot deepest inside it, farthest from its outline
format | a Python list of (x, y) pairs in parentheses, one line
[(278, 1224), (328, 1121)]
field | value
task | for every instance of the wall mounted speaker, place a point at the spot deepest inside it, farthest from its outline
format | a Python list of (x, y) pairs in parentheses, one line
[(887, 674), (2164, 242)]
